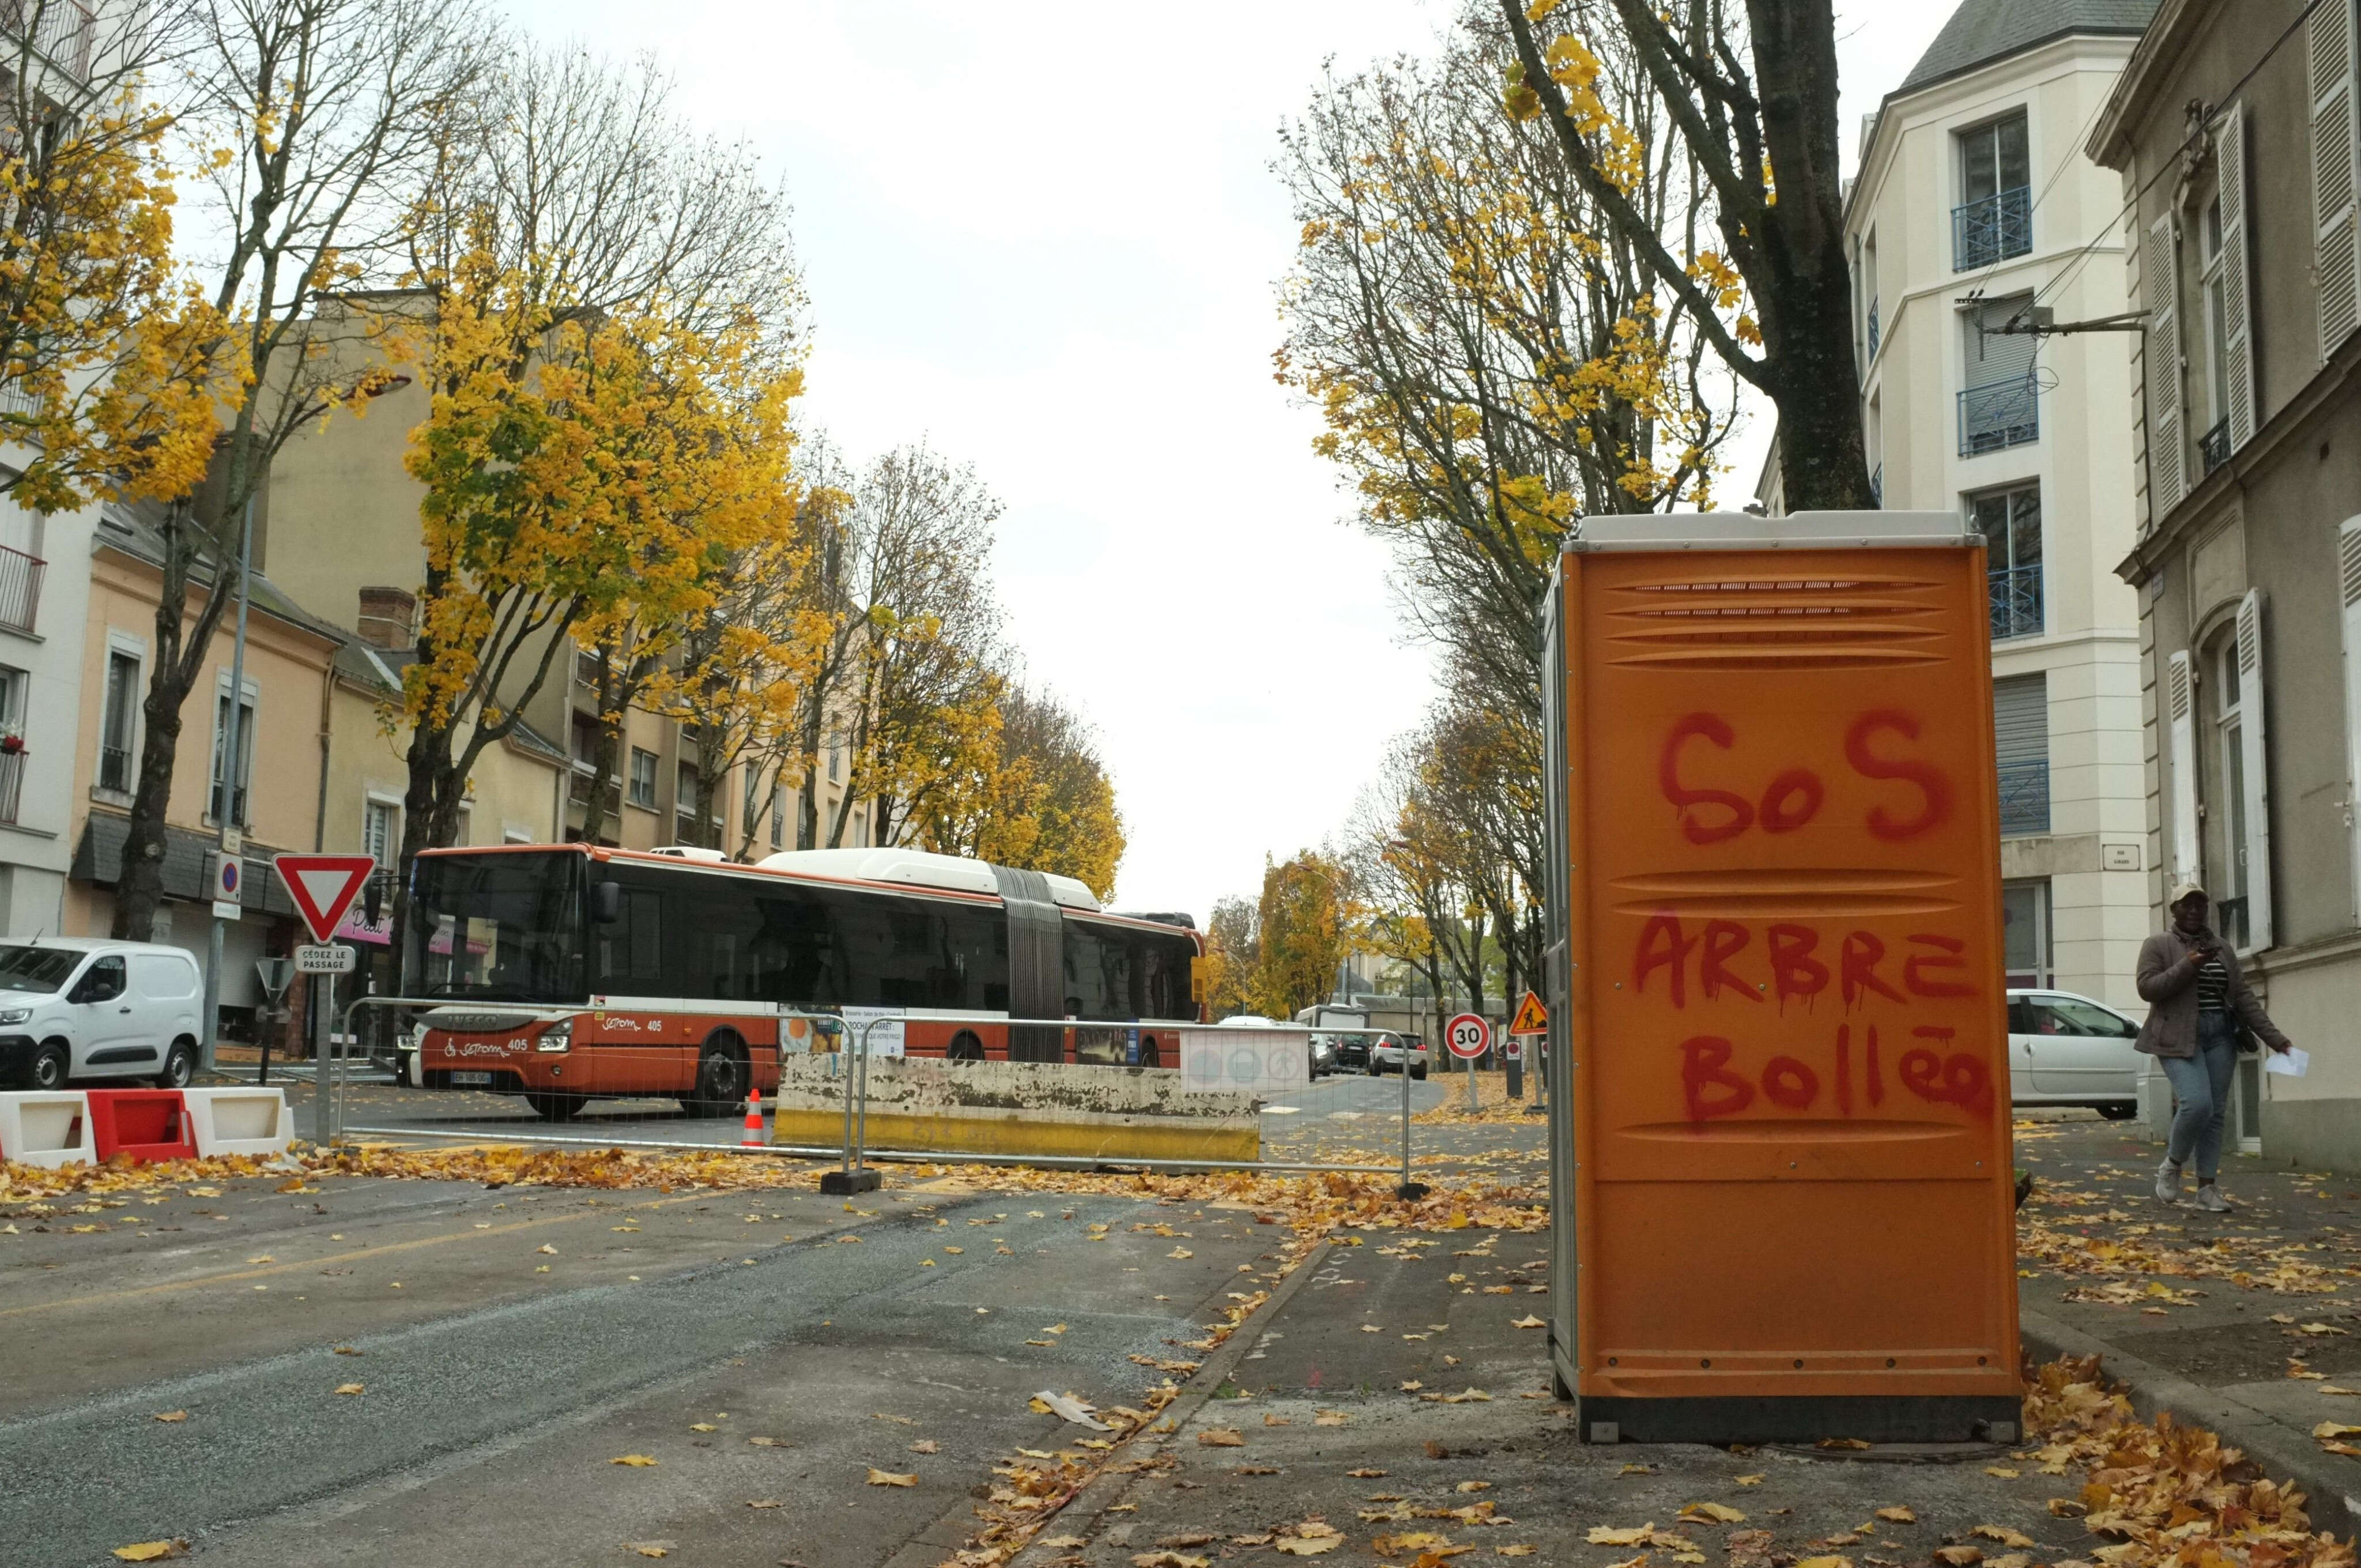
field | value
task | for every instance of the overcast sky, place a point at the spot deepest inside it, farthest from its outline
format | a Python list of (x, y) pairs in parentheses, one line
[(1044, 238)]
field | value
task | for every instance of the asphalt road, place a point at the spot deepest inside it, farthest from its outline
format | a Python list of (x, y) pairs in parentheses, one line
[(511, 1344)]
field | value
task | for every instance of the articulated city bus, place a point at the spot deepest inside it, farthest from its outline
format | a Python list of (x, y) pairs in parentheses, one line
[(569, 973)]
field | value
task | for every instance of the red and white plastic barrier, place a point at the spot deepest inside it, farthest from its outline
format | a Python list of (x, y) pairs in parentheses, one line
[(48, 1127), (251, 1121), (61, 1126)]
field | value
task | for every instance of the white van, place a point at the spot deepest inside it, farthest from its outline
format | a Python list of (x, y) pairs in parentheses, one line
[(89, 1008)]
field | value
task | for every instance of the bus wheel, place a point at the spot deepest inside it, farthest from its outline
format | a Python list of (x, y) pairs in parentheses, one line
[(555, 1107), (1147, 1054), (966, 1046), (723, 1076)]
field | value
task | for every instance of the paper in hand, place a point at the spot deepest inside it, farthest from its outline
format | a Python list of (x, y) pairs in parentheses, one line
[(2288, 1063)]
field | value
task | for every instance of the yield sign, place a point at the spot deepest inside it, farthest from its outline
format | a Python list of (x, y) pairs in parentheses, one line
[(324, 887), (1530, 1019)]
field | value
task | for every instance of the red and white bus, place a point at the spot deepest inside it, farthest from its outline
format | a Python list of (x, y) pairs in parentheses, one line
[(569, 973)]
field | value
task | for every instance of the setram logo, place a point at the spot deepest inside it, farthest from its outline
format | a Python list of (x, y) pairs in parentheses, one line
[(479, 1048)]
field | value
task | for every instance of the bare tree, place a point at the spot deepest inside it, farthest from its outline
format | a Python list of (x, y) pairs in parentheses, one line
[(1766, 140), (325, 114), (904, 576)]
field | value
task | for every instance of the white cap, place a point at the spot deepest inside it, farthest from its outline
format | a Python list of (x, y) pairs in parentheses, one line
[(2183, 890)]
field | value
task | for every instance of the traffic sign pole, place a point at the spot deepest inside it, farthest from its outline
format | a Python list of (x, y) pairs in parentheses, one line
[(323, 888)]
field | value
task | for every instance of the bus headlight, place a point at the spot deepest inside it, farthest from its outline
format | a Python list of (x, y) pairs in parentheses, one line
[(558, 1037)]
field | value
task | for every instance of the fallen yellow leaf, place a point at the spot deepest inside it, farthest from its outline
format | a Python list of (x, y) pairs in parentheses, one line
[(1719, 1513), (172, 1415), (887, 1478), (1529, 1321), (1220, 1437), (352, 1388), (149, 1550), (1605, 1535), (2007, 1537), (1898, 1514), (2334, 1429), (636, 1461), (1749, 1480)]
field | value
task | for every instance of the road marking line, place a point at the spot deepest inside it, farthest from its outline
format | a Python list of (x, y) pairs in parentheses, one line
[(134, 1292)]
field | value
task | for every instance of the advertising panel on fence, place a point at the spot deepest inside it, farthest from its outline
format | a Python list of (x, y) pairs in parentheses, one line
[(886, 1039), (1258, 1061), (1777, 995)]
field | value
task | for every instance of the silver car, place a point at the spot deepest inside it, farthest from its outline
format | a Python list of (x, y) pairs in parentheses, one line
[(1388, 1051), (2065, 1050)]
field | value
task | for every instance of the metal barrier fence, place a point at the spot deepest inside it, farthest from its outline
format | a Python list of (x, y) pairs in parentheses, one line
[(1196, 1044)]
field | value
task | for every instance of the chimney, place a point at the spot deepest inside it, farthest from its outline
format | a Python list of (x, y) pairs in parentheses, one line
[(388, 618)]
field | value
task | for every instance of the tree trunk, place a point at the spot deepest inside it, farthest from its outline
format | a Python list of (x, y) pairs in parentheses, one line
[(1807, 314), (428, 758), (180, 654)]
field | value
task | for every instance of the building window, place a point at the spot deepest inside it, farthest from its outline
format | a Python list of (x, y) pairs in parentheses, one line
[(2024, 934), (12, 720), (1994, 219), (2010, 521), (233, 809), (835, 761), (586, 740), (643, 779), (684, 800), (2230, 889), (2213, 446), (778, 817), (2021, 744), (119, 726), (1999, 402), (381, 831)]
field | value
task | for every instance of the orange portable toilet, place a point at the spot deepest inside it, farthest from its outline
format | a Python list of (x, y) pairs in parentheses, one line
[(1780, 1152)]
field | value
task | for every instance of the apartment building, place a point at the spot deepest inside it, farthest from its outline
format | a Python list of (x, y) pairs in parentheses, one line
[(1968, 225), (2232, 130)]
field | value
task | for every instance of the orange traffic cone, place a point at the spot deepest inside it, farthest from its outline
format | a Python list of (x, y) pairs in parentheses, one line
[(754, 1136)]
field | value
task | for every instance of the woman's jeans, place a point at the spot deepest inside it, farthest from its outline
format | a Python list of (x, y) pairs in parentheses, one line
[(2202, 1084)]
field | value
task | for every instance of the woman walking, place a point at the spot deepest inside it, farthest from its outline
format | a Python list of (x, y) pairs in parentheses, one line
[(2199, 1004)]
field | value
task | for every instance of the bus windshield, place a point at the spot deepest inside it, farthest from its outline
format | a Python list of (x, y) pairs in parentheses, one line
[(504, 927)]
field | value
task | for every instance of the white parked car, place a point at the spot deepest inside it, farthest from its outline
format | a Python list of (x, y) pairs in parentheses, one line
[(1388, 1051), (2065, 1050), (88, 1008)]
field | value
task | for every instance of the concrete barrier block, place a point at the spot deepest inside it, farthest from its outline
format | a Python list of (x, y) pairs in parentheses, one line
[(252, 1121), (47, 1127), (1019, 1108)]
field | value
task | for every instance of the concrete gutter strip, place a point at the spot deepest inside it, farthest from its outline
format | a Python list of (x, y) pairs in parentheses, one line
[(2328, 1480), (1108, 1485)]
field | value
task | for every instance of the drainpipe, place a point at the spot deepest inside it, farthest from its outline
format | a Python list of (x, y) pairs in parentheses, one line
[(230, 827), (327, 709)]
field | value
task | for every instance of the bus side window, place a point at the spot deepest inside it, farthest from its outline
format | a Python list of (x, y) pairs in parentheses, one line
[(978, 945), (631, 951), (794, 950)]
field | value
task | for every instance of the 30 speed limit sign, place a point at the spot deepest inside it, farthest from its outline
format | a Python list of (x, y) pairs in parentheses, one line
[(1467, 1035)]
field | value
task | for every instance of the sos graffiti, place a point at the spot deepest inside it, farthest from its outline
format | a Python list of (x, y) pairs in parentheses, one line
[(1874, 748), (1712, 1088)]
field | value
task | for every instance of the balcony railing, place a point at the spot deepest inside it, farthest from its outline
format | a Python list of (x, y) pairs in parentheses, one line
[(2001, 414), (115, 769), (1877, 485), (2023, 799), (1872, 329), (1993, 229), (213, 803), (59, 29), (20, 589), (2016, 601), (2213, 446), (12, 782)]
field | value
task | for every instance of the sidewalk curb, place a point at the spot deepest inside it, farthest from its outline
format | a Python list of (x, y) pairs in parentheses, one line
[(1108, 1485), (2332, 1486)]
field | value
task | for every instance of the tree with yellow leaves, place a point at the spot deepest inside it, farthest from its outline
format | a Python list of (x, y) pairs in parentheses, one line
[(1306, 928), (594, 490), (1746, 91), (307, 125), (1036, 797)]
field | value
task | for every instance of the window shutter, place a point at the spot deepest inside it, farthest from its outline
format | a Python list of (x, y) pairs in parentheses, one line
[(2180, 730), (2329, 41), (2230, 159), (2259, 795), (2348, 562), (2165, 460)]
